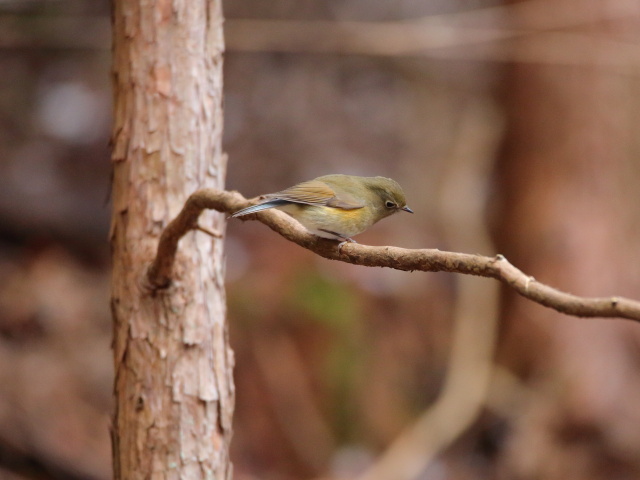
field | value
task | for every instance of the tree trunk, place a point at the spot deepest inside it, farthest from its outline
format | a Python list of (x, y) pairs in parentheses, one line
[(174, 390), (569, 218)]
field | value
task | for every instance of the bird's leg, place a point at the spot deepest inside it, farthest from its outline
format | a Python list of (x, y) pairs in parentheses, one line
[(340, 237)]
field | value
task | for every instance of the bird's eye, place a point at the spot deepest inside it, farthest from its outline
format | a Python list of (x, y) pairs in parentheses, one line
[(389, 204)]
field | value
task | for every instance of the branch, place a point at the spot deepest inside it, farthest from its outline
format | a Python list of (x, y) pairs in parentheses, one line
[(426, 260)]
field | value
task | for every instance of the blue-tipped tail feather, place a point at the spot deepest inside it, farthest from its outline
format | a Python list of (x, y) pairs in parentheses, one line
[(259, 207)]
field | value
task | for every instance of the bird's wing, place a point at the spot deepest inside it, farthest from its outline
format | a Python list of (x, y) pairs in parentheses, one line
[(315, 192)]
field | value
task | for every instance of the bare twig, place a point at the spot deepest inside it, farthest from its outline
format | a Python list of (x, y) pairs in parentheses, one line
[(426, 260), (208, 231)]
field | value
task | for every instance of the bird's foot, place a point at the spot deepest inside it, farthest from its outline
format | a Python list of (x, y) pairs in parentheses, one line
[(344, 242)]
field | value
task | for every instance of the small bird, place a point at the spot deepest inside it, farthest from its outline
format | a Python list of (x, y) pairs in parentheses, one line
[(336, 206)]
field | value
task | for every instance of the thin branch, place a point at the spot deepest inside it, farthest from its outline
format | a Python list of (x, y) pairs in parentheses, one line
[(208, 231), (426, 260)]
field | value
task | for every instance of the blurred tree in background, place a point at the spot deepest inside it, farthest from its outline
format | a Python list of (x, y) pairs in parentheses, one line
[(512, 123)]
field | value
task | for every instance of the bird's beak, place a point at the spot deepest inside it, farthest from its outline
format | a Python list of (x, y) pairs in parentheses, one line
[(407, 209)]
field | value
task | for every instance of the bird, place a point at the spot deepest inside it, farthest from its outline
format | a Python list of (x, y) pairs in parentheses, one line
[(336, 206)]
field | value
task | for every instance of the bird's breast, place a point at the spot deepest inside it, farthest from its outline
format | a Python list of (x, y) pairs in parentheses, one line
[(345, 222)]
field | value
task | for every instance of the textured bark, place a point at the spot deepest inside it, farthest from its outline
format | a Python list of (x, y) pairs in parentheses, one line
[(173, 387)]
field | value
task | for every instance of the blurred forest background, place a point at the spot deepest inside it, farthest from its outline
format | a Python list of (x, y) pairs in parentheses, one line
[(514, 128)]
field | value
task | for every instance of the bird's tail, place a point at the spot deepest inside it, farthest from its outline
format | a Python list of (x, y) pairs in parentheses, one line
[(259, 207)]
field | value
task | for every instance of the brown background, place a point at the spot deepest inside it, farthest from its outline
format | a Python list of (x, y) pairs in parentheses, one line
[(526, 146)]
